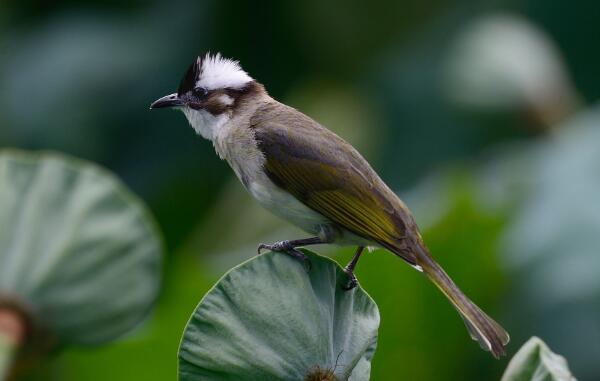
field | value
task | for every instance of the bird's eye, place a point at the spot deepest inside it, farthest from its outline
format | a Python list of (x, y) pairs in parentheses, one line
[(200, 92)]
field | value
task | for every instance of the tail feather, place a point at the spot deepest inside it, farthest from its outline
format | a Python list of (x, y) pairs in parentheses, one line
[(483, 329)]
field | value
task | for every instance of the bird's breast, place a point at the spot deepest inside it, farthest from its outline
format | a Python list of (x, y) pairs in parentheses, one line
[(285, 206), (236, 144)]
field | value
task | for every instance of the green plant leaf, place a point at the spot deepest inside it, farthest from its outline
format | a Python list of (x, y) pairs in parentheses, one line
[(77, 249), (536, 362), (270, 319)]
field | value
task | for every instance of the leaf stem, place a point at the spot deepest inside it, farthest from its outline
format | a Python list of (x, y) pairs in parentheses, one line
[(12, 334)]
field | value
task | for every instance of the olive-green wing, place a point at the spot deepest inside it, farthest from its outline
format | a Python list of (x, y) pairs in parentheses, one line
[(329, 176)]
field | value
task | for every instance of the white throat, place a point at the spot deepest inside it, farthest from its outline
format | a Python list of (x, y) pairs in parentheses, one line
[(204, 123)]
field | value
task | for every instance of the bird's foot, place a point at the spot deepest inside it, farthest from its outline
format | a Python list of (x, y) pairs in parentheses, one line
[(280, 246), (352, 281), (288, 248)]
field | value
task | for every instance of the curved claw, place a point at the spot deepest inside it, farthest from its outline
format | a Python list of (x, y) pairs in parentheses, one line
[(285, 247), (350, 285), (352, 281)]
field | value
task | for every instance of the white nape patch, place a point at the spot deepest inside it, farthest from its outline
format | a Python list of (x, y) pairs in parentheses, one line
[(205, 123), (218, 73)]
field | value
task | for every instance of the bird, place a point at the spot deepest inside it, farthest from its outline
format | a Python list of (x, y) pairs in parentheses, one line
[(309, 176)]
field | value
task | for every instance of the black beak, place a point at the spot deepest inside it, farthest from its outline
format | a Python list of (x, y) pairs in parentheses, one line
[(171, 100)]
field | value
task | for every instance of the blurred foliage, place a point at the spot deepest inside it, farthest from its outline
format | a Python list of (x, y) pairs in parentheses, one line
[(551, 245), (155, 344), (79, 254), (546, 193), (507, 207), (7, 350), (503, 62), (72, 239)]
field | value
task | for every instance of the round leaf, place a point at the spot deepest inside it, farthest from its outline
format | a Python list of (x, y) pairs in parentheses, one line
[(270, 319), (76, 247)]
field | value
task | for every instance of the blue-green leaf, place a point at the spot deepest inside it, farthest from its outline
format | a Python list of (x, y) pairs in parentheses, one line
[(77, 249), (270, 319)]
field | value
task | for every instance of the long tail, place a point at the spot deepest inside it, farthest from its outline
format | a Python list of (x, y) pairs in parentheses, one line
[(483, 329)]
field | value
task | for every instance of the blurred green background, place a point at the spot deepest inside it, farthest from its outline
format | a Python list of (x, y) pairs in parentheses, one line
[(482, 115)]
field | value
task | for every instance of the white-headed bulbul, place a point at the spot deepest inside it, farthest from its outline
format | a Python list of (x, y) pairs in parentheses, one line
[(309, 176)]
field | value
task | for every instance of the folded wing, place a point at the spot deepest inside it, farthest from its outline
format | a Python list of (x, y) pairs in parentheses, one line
[(329, 176)]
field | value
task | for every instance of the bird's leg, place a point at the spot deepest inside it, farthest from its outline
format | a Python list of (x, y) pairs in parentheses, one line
[(289, 247), (349, 269), (291, 244)]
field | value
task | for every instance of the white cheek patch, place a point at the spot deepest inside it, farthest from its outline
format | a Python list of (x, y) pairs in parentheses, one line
[(226, 99)]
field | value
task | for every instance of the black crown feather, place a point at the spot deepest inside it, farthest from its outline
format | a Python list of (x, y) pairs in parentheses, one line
[(192, 75)]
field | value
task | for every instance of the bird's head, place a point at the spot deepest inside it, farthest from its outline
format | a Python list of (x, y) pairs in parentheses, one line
[(210, 92)]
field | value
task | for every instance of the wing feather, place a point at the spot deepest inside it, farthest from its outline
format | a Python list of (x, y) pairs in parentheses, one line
[(329, 176)]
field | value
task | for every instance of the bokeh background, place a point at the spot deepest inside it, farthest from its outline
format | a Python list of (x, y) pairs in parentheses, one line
[(482, 115)]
